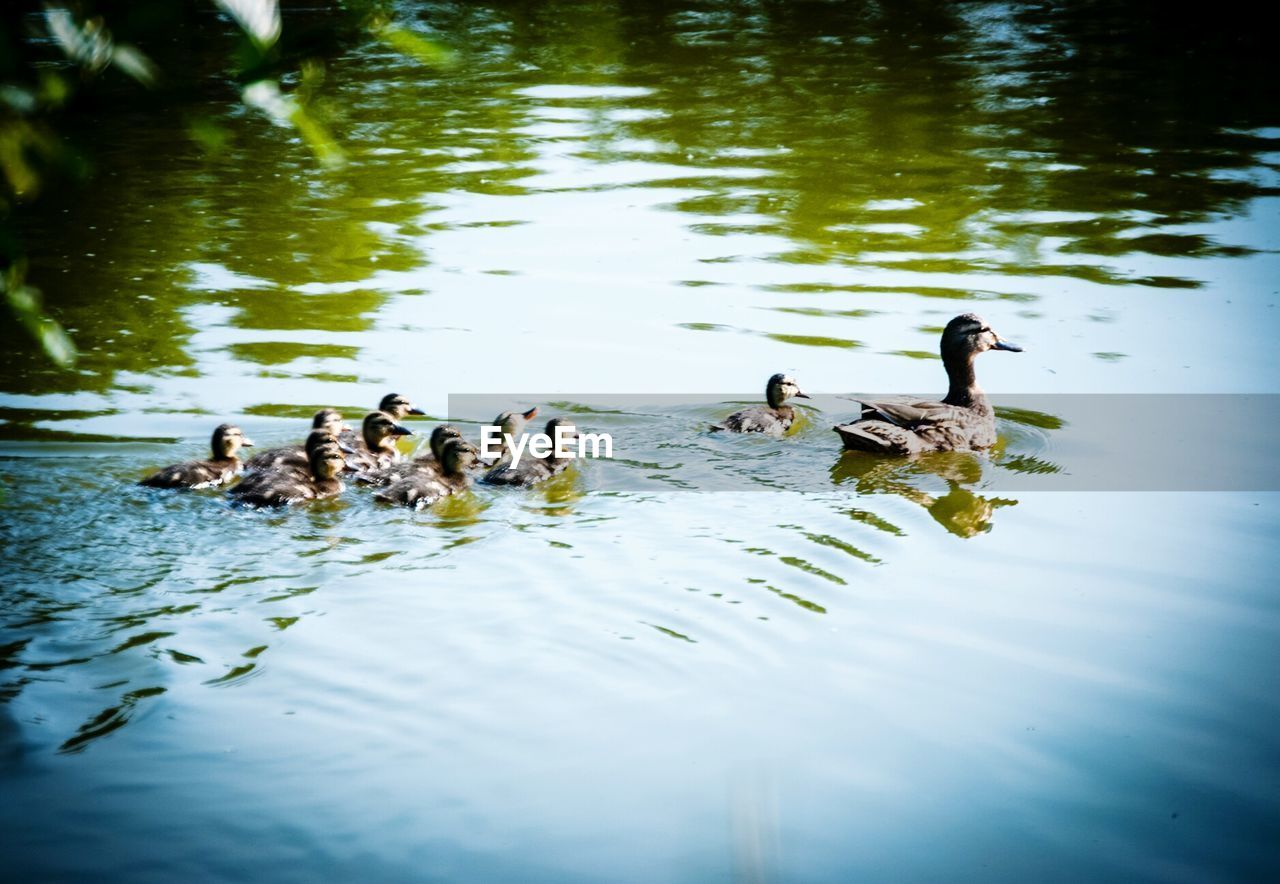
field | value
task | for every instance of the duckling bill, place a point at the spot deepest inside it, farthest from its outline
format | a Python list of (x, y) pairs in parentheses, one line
[(221, 467), (963, 420), (773, 419)]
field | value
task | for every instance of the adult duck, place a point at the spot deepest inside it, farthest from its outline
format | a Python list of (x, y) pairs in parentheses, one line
[(962, 421), (773, 419), (221, 467), (377, 447), (425, 487), (326, 421), (283, 487), (533, 469), (392, 404)]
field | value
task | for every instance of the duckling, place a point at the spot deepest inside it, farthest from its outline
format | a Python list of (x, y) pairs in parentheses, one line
[(962, 421), (227, 440), (326, 421), (510, 423), (772, 420), (532, 470), (377, 449), (430, 461), (286, 487), (297, 467), (393, 404), (425, 487)]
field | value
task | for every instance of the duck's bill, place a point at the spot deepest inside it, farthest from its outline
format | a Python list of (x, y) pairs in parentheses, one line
[(416, 411), (247, 443), (401, 431), (802, 395), (530, 414), (344, 447), (1006, 345)]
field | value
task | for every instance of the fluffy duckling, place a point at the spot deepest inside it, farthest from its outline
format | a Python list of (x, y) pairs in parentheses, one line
[(773, 419), (377, 448), (280, 488), (425, 487), (531, 470), (227, 440), (962, 421), (393, 404), (297, 467), (431, 461), (511, 423), (326, 421)]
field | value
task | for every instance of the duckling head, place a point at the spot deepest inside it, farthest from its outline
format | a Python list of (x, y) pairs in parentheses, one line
[(227, 440), (457, 456), (397, 406), (568, 432), (316, 438), (440, 435), (782, 387), (512, 423), (328, 420), (968, 335), (379, 429), (326, 460)]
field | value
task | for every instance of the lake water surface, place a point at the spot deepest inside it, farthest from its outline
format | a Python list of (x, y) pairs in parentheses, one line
[(815, 668)]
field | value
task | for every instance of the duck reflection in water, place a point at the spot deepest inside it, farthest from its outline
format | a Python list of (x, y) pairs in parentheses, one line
[(941, 482)]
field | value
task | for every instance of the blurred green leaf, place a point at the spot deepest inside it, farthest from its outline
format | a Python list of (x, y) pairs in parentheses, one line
[(265, 95), (24, 301), (427, 51)]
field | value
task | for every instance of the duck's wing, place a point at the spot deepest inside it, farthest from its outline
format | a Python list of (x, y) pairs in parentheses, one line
[(194, 474), (502, 474), (396, 472), (905, 411), (362, 460), (273, 458), (530, 472), (752, 420), (273, 489), (416, 490), (879, 437)]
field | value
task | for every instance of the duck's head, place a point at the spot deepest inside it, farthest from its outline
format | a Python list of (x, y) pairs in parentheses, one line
[(968, 335), (568, 432), (316, 438), (379, 428), (441, 435), (328, 420), (326, 460), (227, 440), (397, 406), (457, 456), (512, 423), (782, 387)]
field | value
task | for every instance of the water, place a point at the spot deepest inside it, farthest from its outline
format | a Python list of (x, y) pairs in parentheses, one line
[(844, 670)]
